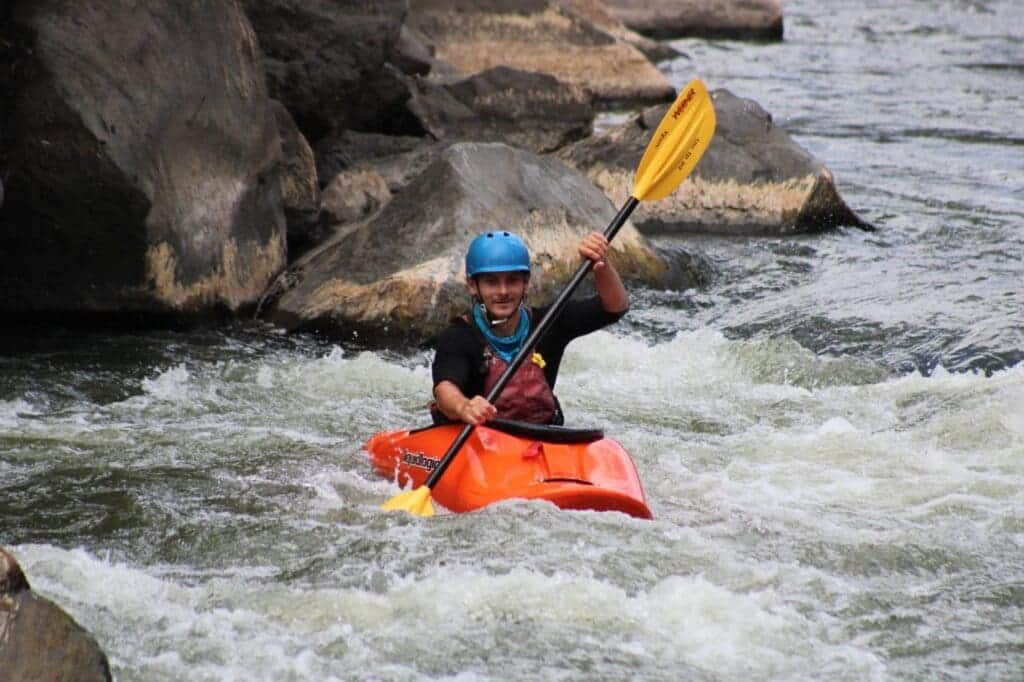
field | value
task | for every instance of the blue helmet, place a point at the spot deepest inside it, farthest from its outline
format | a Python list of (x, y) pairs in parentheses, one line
[(497, 251)]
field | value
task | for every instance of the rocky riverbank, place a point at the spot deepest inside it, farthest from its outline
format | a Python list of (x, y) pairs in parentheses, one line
[(322, 165)]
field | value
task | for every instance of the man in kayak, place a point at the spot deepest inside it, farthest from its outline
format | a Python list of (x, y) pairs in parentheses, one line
[(476, 348)]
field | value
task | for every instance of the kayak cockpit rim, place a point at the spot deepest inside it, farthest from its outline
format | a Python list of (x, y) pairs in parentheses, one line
[(542, 432)]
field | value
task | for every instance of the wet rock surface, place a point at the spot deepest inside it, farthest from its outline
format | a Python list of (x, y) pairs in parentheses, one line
[(38, 640)]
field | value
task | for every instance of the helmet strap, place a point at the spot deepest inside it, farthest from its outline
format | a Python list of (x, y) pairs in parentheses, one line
[(493, 321)]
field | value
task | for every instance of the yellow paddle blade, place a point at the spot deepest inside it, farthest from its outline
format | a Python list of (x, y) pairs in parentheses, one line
[(413, 501), (678, 143)]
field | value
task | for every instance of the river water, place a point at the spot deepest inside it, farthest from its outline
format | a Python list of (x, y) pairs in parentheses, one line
[(830, 434)]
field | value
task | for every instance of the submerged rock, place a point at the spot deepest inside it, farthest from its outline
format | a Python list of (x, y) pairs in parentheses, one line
[(38, 640), (666, 19), (399, 276), (752, 180), (141, 156)]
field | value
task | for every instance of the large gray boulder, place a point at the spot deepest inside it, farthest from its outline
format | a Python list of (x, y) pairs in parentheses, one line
[(539, 36), (140, 154), (38, 640), (752, 180), (666, 19), (399, 277)]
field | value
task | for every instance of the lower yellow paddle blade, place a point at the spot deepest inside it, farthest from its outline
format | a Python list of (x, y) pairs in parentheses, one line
[(678, 143), (413, 501)]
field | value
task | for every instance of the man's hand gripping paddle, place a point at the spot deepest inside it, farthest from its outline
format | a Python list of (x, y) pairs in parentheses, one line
[(673, 152)]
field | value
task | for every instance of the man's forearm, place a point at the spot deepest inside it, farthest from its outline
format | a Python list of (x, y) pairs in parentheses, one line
[(449, 399), (454, 404), (611, 291)]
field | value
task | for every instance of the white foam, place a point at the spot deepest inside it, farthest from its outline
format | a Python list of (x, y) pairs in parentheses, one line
[(13, 410), (171, 384)]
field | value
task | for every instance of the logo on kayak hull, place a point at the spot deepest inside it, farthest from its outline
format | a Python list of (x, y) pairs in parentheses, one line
[(418, 459)]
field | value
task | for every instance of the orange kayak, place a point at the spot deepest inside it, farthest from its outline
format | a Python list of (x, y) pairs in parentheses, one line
[(573, 468)]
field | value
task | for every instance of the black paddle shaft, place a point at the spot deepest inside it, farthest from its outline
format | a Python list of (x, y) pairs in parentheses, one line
[(532, 340)]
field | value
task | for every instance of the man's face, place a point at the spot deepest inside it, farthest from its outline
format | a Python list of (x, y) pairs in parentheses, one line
[(501, 292)]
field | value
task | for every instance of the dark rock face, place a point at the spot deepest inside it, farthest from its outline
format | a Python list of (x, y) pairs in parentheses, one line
[(534, 111), (325, 60), (399, 275), (300, 190), (752, 180), (39, 641), (412, 55), (396, 158), (140, 155)]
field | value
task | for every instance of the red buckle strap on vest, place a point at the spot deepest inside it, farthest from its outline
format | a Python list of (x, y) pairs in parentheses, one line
[(527, 396)]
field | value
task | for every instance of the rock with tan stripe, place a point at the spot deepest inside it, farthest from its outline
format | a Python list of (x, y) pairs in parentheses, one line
[(753, 179)]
